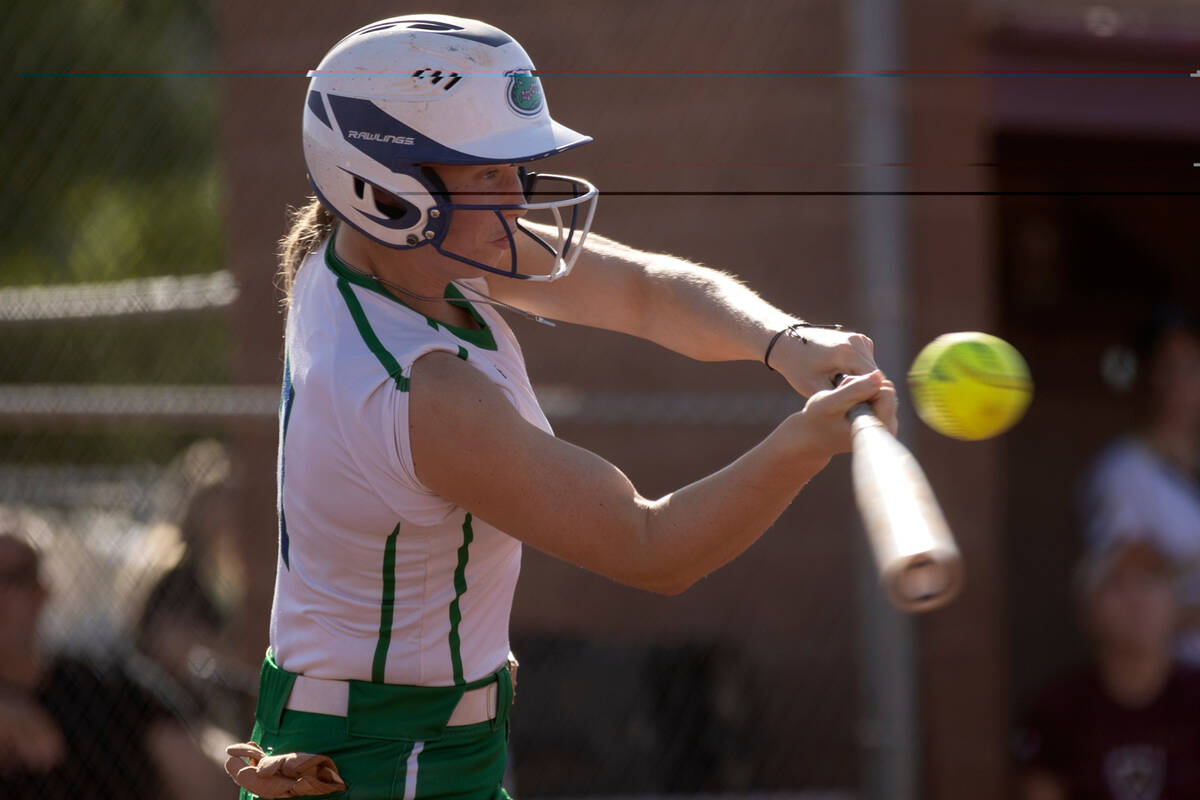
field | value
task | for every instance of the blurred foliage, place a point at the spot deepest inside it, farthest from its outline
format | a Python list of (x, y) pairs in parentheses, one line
[(108, 176), (111, 169)]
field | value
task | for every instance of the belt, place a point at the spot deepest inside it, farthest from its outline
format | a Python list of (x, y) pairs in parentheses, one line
[(322, 696)]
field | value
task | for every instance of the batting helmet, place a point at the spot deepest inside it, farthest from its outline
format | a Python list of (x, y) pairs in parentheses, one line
[(403, 93)]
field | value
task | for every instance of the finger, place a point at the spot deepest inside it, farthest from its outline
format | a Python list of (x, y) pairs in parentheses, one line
[(248, 750), (861, 356), (856, 389), (841, 377), (884, 405), (234, 765)]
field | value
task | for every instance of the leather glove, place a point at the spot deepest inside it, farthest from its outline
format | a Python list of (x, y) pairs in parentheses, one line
[(282, 775)]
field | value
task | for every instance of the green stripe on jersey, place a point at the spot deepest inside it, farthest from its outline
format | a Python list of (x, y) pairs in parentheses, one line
[(394, 370), (387, 607), (481, 337), (460, 588)]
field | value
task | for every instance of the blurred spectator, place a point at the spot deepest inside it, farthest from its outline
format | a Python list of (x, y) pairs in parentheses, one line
[(1126, 727), (1147, 484), (185, 622), (68, 731)]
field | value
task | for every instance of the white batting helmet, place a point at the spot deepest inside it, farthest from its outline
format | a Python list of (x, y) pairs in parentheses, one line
[(400, 94)]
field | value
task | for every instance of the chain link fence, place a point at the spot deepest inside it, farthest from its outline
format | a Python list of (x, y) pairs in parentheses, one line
[(122, 580), (115, 463), (118, 581)]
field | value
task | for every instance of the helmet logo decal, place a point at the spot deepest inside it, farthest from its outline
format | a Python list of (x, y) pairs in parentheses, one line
[(525, 93)]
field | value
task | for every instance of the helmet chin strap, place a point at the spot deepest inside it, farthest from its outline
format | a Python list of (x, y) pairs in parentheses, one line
[(483, 298), (487, 299)]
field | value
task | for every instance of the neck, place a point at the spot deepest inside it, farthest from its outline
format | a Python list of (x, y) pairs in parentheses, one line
[(409, 277), (1134, 679)]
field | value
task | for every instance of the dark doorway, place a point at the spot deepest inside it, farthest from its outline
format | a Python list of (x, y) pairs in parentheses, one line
[(1092, 233)]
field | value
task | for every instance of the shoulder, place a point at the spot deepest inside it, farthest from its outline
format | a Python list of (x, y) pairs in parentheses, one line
[(1119, 460), (446, 387), (355, 336), (1132, 491), (462, 425), (1114, 487), (311, 280)]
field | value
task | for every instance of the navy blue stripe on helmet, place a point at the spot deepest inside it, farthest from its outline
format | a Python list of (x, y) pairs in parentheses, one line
[(387, 140), (473, 30), (375, 26), (318, 108)]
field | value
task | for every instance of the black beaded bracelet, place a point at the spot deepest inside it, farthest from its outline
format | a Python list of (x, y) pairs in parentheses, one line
[(790, 330)]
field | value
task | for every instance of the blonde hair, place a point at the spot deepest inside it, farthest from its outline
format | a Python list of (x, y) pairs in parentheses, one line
[(310, 225)]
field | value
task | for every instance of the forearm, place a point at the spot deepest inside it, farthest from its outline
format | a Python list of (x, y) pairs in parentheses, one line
[(694, 310), (711, 316), (691, 309), (692, 532), (698, 311), (703, 526)]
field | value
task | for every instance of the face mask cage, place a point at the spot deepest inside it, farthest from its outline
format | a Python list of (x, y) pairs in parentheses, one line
[(559, 224)]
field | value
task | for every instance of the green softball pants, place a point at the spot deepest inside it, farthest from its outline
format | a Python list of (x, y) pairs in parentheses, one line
[(393, 743)]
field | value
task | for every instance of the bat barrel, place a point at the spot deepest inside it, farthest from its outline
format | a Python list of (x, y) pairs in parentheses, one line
[(919, 563)]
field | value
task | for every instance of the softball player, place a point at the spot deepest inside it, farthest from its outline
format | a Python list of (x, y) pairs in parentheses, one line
[(414, 459)]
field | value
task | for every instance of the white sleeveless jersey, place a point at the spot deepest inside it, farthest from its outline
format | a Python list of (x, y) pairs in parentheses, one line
[(379, 578)]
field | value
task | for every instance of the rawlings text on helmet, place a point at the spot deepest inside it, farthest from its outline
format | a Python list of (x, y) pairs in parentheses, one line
[(379, 137)]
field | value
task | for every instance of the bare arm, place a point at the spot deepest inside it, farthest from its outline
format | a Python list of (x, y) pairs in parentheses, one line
[(472, 447), (694, 310)]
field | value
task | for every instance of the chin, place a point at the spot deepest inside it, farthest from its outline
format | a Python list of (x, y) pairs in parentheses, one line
[(455, 269), (493, 255)]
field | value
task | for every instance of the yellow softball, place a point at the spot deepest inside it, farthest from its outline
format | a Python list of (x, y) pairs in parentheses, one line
[(970, 385)]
